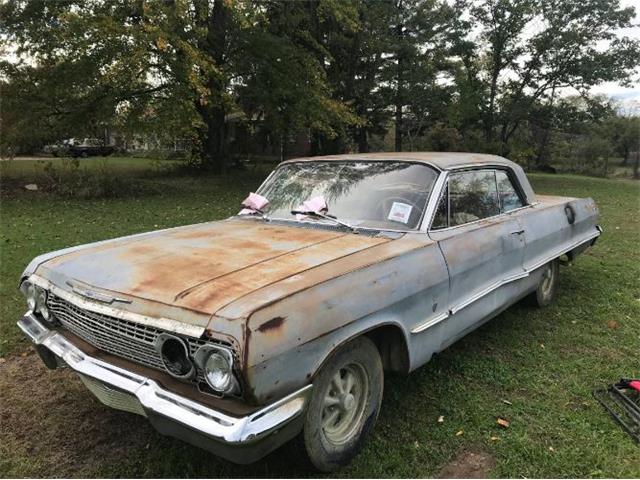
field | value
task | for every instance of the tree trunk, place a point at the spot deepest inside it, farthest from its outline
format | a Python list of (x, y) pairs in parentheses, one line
[(542, 156), (399, 100), (363, 141), (493, 91), (399, 97), (625, 158), (398, 126), (636, 166), (213, 136)]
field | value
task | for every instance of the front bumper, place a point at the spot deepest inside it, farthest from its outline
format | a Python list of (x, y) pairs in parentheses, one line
[(239, 439)]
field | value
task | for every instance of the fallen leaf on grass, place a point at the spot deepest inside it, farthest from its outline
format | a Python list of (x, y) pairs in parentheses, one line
[(502, 422), (612, 324), (441, 419), (495, 439), (507, 402), (459, 432), (542, 346), (551, 449)]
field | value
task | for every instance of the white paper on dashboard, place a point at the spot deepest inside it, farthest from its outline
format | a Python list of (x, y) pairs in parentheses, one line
[(400, 212)]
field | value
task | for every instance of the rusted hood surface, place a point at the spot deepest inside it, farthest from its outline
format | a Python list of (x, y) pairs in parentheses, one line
[(204, 267)]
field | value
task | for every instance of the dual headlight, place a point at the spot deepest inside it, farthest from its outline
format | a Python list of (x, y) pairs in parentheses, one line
[(36, 299), (218, 371), (217, 366), (216, 363)]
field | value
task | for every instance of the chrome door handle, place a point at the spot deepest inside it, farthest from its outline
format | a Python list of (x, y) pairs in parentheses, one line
[(517, 232)]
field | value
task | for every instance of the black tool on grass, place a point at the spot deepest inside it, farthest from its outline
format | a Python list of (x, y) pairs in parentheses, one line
[(622, 401)]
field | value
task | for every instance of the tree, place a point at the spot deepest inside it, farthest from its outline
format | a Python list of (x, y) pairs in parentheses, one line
[(194, 58), (357, 52), (529, 48), (418, 51), (624, 134)]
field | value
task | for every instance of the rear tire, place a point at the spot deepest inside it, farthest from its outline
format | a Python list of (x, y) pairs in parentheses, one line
[(548, 285), (344, 406)]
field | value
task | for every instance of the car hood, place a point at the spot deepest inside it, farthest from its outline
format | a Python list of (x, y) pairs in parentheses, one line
[(200, 268)]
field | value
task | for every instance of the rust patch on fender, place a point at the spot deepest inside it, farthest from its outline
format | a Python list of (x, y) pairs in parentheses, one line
[(273, 324)]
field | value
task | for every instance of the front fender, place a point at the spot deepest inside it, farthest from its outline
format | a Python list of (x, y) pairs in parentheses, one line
[(287, 341), (277, 376)]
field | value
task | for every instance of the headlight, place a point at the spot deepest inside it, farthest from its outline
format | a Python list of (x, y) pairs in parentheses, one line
[(217, 364), (218, 372), (32, 297), (36, 299), (175, 356), (41, 304)]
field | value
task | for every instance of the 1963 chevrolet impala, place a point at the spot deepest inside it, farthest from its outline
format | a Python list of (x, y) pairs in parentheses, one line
[(239, 334)]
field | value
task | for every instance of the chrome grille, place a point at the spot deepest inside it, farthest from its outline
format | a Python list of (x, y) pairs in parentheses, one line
[(123, 338)]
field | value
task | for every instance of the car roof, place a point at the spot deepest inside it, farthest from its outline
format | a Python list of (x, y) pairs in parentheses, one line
[(440, 160)]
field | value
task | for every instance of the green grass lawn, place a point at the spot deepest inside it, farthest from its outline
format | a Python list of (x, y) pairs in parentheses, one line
[(545, 363)]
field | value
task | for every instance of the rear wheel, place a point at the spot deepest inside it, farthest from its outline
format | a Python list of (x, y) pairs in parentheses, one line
[(548, 285), (347, 393)]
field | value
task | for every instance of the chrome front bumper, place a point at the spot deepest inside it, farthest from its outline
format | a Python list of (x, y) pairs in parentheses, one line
[(239, 439)]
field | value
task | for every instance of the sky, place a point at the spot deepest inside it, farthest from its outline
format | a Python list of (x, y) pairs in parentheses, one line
[(625, 95)]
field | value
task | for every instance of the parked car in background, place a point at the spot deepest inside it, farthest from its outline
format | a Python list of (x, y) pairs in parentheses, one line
[(90, 147), (58, 149), (239, 334)]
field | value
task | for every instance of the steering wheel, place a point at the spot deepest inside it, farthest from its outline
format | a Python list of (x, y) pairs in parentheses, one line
[(384, 206)]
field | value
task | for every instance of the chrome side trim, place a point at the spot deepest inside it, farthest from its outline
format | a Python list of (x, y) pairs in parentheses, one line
[(512, 278), (106, 309), (525, 273), (430, 323), (487, 291), (560, 251), (155, 399)]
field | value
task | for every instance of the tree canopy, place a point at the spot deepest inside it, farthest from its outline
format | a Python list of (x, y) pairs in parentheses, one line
[(443, 74)]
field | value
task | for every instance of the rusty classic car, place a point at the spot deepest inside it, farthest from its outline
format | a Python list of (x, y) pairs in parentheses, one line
[(238, 335)]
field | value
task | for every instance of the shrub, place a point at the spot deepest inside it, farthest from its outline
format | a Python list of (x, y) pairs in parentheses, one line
[(69, 179)]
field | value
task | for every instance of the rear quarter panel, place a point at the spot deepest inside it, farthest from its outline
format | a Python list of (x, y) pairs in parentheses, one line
[(548, 231)]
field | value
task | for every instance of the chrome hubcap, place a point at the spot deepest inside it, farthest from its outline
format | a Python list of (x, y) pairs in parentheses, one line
[(344, 403), (547, 281)]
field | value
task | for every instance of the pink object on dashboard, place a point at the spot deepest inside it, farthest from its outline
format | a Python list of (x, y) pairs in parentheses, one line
[(254, 203)]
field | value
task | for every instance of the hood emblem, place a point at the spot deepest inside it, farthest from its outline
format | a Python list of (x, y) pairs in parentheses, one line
[(97, 296)]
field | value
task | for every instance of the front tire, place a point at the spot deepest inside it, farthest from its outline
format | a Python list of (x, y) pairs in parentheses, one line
[(546, 291), (344, 406)]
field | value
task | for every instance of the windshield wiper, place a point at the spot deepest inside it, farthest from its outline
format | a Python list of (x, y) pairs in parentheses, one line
[(331, 218), (255, 211)]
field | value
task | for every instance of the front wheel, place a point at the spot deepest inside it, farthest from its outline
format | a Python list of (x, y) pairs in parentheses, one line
[(546, 291), (347, 393)]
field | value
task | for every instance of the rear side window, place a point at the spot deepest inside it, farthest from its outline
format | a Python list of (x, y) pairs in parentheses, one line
[(509, 197), (473, 195)]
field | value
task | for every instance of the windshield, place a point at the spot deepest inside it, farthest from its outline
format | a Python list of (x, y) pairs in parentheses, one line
[(379, 195)]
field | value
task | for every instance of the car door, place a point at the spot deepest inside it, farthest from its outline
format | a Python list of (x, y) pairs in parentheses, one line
[(483, 248)]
